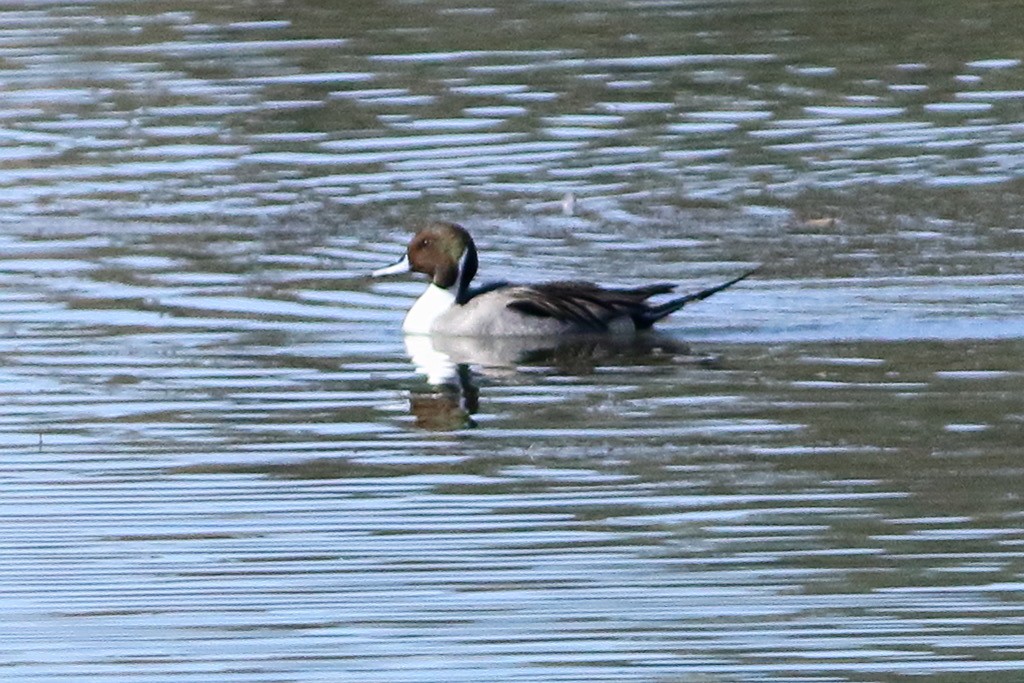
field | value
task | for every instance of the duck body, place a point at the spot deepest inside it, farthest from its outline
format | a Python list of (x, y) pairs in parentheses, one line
[(449, 306), (516, 310)]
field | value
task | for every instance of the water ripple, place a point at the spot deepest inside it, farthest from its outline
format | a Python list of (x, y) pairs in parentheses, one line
[(222, 463)]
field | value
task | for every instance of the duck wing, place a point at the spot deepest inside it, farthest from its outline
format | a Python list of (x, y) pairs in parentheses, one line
[(583, 303)]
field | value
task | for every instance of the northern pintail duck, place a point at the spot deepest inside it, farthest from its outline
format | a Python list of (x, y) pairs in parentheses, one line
[(446, 253)]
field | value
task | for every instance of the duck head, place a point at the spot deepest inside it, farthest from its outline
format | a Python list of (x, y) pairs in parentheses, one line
[(443, 251)]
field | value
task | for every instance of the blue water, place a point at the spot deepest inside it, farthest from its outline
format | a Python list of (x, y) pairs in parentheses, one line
[(222, 461)]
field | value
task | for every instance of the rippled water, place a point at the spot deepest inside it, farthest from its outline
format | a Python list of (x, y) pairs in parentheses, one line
[(222, 462)]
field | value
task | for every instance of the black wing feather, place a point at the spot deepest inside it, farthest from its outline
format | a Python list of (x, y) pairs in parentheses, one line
[(584, 303), (593, 307)]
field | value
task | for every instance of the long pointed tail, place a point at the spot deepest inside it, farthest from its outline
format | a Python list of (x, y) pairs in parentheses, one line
[(656, 313)]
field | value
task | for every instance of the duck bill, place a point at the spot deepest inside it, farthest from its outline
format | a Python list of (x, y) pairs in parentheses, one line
[(394, 269)]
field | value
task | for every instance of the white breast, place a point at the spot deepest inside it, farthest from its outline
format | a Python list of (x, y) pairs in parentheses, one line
[(432, 304)]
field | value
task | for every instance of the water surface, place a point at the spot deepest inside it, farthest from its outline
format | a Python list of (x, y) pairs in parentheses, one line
[(221, 463)]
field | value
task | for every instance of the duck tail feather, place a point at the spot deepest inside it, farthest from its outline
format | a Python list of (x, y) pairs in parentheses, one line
[(656, 313)]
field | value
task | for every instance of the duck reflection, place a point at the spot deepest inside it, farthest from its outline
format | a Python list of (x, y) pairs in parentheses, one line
[(450, 364), (447, 406)]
